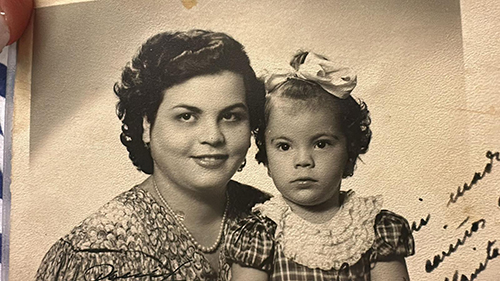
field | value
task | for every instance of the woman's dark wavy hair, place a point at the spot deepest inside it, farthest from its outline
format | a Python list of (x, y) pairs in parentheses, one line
[(355, 117), (170, 58)]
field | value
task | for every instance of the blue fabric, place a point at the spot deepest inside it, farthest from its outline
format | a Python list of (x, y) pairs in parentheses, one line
[(3, 86), (3, 79)]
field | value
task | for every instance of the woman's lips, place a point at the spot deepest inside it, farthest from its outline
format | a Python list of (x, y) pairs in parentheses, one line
[(211, 161)]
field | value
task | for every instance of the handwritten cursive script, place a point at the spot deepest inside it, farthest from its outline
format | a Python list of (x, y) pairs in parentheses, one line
[(477, 177), (463, 222), (415, 227), (431, 265), (491, 254)]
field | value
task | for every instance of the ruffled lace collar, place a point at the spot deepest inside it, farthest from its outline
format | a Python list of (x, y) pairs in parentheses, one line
[(343, 239)]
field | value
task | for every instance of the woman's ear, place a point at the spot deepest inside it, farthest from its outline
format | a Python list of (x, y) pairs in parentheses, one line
[(146, 133)]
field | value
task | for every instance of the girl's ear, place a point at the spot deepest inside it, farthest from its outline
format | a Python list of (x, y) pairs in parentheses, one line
[(146, 133), (349, 168)]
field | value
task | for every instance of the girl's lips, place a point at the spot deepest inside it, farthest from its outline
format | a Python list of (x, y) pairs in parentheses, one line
[(304, 180), (211, 161)]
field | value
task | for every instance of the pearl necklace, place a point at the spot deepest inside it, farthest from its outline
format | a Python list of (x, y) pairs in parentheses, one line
[(178, 220)]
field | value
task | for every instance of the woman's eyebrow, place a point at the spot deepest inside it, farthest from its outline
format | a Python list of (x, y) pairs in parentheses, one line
[(198, 110), (189, 107), (235, 106)]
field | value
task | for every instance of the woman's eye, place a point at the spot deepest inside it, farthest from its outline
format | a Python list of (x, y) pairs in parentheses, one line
[(230, 116), (283, 146), (322, 144), (186, 117)]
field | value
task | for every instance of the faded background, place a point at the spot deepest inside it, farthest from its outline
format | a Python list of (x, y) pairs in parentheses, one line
[(427, 74)]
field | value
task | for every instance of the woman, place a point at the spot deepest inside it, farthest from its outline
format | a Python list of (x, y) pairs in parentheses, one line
[(188, 102)]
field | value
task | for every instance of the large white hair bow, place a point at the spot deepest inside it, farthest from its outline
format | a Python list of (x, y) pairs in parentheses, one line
[(333, 78)]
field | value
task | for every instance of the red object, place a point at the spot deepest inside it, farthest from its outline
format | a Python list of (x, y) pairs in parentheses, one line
[(17, 16)]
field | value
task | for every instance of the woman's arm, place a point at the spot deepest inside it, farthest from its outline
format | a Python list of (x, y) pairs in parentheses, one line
[(240, 273), (394, 270)]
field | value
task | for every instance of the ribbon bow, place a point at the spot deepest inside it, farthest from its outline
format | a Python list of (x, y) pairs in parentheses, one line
[(335, 79)]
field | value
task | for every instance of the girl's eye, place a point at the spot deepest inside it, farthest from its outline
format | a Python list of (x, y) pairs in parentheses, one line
[(186, 117), (322, 144), (283, 146)]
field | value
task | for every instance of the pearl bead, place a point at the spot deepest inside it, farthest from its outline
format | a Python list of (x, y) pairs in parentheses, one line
[(178, 219)]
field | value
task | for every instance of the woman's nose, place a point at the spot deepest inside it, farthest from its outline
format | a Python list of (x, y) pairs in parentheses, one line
[(211, 134), (304, 159)]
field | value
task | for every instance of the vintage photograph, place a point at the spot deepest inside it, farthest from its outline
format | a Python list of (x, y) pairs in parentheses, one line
[(252, 140)]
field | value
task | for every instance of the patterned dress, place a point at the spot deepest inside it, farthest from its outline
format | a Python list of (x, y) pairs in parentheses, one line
[(134, 238), (276, 240)]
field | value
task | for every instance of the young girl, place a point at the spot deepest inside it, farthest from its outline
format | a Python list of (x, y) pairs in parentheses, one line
[(313, 133)]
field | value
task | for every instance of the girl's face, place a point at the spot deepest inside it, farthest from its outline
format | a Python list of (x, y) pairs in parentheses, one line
[(202, 133), (306, 151)]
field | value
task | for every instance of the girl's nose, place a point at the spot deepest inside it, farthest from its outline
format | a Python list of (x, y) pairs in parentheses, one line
[(304, 159), (211, 134)]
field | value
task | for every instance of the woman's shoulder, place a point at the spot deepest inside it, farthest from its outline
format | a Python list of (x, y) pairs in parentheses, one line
[(243, 197), (115, 234), (114, 223)]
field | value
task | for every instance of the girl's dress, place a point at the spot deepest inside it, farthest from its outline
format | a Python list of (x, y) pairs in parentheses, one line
[(133, 237), (276, 240)]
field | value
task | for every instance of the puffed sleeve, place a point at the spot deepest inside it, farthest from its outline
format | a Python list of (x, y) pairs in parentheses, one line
[(250, 242), (392, 237), (60, 263)]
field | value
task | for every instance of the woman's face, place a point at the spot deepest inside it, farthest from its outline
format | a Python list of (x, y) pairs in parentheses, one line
[(202, 131)]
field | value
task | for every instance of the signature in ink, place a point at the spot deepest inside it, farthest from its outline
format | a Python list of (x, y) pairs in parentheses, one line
[(431, 265), (477, 177), (110, 273), (491, 254)]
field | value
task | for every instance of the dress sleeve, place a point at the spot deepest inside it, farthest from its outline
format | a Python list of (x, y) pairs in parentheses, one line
[(60, 263), (64, 262), (250, 242), (392, 237)]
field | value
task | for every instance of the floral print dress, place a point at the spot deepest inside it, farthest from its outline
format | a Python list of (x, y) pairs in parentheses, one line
[(133, 237)]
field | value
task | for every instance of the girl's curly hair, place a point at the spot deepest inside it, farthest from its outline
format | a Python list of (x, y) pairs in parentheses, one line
[(355, 117), (170, 58)]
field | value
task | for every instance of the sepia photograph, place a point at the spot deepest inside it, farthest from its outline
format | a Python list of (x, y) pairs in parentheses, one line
[(255, 140)]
